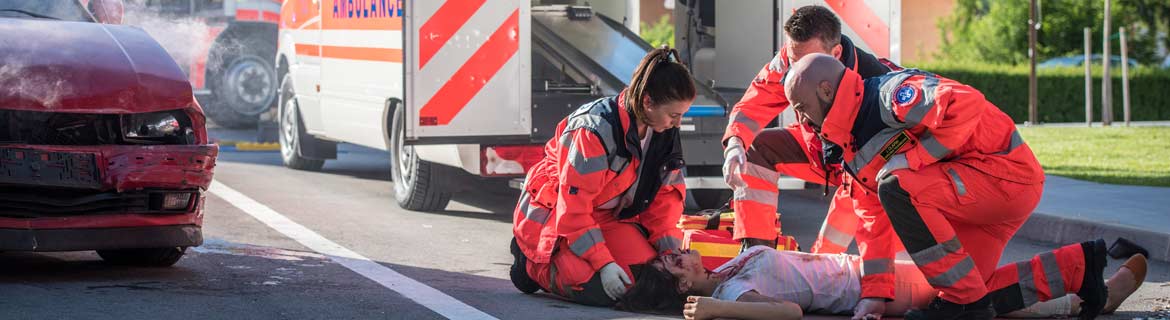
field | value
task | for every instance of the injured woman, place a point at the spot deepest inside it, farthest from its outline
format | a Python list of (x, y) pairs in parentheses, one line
[(763, 283)]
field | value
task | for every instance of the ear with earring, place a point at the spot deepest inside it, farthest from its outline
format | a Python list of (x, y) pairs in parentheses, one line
[(684, 286)]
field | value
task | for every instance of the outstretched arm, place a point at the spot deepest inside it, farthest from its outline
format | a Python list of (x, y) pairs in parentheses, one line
[(750, 305)]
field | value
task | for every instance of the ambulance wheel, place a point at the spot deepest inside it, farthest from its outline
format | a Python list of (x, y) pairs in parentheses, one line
[(148, 257), (710, 198), (419, 185), (292, 132), (245, 85)]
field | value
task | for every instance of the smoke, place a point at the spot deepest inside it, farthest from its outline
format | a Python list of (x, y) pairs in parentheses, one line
[(184, 37), (25, 80)]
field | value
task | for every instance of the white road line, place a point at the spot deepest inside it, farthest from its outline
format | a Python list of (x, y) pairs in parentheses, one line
[(420, 293)]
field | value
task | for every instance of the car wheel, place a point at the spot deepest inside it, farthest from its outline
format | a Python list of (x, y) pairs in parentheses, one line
[(292, 131), (146, 257), (418, 184), (246, 87)]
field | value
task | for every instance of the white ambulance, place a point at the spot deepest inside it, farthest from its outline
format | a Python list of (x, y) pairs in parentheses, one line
[(459, 88)]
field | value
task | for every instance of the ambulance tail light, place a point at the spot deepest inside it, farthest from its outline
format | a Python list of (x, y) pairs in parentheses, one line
[(512, 160)]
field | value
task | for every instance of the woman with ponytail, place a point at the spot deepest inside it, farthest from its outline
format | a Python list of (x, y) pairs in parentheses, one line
[(607, 196)]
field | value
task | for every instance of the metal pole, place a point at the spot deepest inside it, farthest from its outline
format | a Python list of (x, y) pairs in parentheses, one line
[(1124, 77), (1032, 63), (1088, 78), (1106, 79)]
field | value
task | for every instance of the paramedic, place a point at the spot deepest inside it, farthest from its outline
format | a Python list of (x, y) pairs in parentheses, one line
[(608, 194), (755, 157), (917, 171)]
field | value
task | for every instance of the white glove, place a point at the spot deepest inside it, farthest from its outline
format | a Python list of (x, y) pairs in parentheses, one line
[(614, 280), (733, 161)]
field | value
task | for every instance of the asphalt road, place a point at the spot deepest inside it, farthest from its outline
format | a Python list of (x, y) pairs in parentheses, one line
[(285, 244)]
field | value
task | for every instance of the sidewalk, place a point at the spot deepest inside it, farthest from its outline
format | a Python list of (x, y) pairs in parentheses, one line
[(1074, 211)]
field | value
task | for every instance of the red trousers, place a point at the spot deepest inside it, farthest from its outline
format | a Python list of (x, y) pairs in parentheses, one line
[(955, 221), (569, 276)]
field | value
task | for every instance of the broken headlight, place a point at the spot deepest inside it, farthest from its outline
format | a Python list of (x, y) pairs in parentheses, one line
[(167, 127)]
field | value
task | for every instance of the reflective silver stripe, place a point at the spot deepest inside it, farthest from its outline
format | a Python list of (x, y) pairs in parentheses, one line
[(537, 214), (872, 148), (668, 243), (743, 119), (924, 105), (767, 174), (959, 186), (1052, 273), (596, 124), (586, 242), (764, 197), (877, 266), (585, 165), (936, 252), (1027, 283), (1017, 141), (952, 276), (832, 235), (618, 163), (932, 146)]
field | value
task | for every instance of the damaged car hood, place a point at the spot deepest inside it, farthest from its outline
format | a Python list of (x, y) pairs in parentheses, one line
[(60, 66)]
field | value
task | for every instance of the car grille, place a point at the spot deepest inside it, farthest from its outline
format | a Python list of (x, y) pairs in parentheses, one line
[(59, 203), (52, 128)]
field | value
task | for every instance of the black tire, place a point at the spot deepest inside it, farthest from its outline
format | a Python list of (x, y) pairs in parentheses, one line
[(710, 198), (245, 84), (292, 132), (145, 257), (418, 184)]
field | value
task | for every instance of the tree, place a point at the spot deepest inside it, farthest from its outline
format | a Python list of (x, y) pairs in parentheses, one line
[(996, 31), (660, 33)]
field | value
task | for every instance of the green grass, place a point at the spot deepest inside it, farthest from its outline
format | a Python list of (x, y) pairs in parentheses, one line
[(1117, 155)]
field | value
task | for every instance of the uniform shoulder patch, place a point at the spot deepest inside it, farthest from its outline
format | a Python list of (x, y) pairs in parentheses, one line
[(905, 94)]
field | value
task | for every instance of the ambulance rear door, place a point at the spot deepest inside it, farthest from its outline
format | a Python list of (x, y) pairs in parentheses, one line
[(467, 72)]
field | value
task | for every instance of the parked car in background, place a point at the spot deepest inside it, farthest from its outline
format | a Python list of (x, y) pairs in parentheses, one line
[(102, 145), (1079, 60)]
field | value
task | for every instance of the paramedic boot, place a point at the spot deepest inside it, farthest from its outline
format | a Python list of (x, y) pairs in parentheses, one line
[(1093, 291), (940, 309), (519, 272)]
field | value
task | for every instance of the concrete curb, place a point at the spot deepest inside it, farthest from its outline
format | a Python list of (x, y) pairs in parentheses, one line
[(1057, 229)]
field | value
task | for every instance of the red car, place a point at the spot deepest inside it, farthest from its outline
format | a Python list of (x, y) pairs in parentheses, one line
[(102, 145)]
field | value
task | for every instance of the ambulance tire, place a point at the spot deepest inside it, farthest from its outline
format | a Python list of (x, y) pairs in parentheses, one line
[(419, 185), (292, 132), (709, 198), (245, 84), (146, 257)]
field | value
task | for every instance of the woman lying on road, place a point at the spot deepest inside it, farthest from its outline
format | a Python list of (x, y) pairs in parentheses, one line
[(762, 283)]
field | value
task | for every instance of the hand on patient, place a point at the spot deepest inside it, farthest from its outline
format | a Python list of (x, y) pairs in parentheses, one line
[(700, 308), (614, 280), (869, 309)]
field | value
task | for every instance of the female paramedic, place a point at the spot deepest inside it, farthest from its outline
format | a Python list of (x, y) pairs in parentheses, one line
[(609, 192), (762, 283)]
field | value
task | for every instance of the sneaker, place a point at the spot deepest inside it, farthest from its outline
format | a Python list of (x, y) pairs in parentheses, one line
[(1093, 291), (940, 309), (519, 272)]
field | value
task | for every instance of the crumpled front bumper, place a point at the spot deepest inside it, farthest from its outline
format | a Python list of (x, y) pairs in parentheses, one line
[(102, 214)]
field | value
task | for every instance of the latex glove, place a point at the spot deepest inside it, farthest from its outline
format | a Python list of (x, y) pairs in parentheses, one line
[(897, 162), (869, 309), (733, 162), (699, 308), (614, 280)]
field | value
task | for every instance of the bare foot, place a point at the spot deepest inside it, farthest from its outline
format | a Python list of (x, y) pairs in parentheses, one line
[(1125, 282)]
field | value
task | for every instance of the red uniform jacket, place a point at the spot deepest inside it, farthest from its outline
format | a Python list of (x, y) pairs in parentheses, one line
[(911, 119), (595, 173)]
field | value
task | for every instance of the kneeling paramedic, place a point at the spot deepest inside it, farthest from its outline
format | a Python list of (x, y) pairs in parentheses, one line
[(930, 161), (608, 194)]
